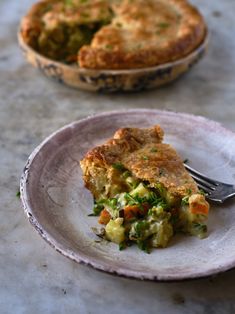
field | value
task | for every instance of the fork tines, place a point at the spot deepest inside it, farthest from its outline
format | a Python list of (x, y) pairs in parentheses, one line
[(215, 190), (206, 184)]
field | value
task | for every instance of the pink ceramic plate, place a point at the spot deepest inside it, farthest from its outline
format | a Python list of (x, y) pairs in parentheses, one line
[(57, 204)]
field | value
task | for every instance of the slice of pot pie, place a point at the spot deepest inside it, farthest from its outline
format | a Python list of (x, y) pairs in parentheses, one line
[(114, 34), (142, 192)]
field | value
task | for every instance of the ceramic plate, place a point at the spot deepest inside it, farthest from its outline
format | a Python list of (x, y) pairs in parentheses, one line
[(112, 80), (57, 204)]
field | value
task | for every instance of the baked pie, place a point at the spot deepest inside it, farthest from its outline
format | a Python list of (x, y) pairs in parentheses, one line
[(142, 192), (113, 34)]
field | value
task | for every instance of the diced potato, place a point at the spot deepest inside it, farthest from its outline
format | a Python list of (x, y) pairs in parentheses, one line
[(157, 210), (170, 198), (158, 214), (139, 230), (198, 229), (163, 235), (141, 190), (114, 231), (121, 199), (131, 181), (194, 215)]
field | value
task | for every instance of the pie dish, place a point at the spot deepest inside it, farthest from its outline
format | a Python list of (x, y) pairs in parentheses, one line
[(109, 34), (143, 194), (57, 204), (116, 41)]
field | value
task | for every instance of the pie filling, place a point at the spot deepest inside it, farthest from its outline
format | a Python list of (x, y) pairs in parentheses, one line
[(146, 215), (63, 42), (61, 28)]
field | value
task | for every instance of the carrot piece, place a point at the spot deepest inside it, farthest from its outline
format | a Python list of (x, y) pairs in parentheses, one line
[(131, 211), (72, 58), (199, 208), (104, 217)]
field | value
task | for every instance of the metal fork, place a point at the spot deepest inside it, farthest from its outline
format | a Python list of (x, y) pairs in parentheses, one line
[(214, 190)]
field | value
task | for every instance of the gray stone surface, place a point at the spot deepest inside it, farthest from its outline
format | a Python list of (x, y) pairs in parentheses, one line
[(33, 277)]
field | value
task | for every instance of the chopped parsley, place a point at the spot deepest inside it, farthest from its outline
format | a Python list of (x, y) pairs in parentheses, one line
[(68, 3), (118, 166), (48, 8), (144, 246), (140, 226), (200, 227), (153, 200), (126, 174), (18, 194), (189, 191), (118, 24), (145, 158), (108, 46), (202, 192), (112, 203), (185, 200), (132, 200), (139, 46), (85, 15), (160, 188), (163, 25), (153, 150), (122, 246), (98, 207)]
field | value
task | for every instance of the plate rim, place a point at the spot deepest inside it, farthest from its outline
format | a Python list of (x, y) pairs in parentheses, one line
[(80, 257)]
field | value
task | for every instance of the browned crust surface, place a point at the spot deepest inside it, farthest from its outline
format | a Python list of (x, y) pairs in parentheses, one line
[(142, 152), (142, 33)]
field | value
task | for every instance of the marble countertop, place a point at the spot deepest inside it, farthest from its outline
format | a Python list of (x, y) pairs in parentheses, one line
[(35, 278)]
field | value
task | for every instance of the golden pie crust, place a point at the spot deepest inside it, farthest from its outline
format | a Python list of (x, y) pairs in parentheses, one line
[(141, 152), (136, 33)]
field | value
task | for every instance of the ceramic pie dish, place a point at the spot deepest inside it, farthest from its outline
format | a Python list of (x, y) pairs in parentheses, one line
[(113, 45)]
